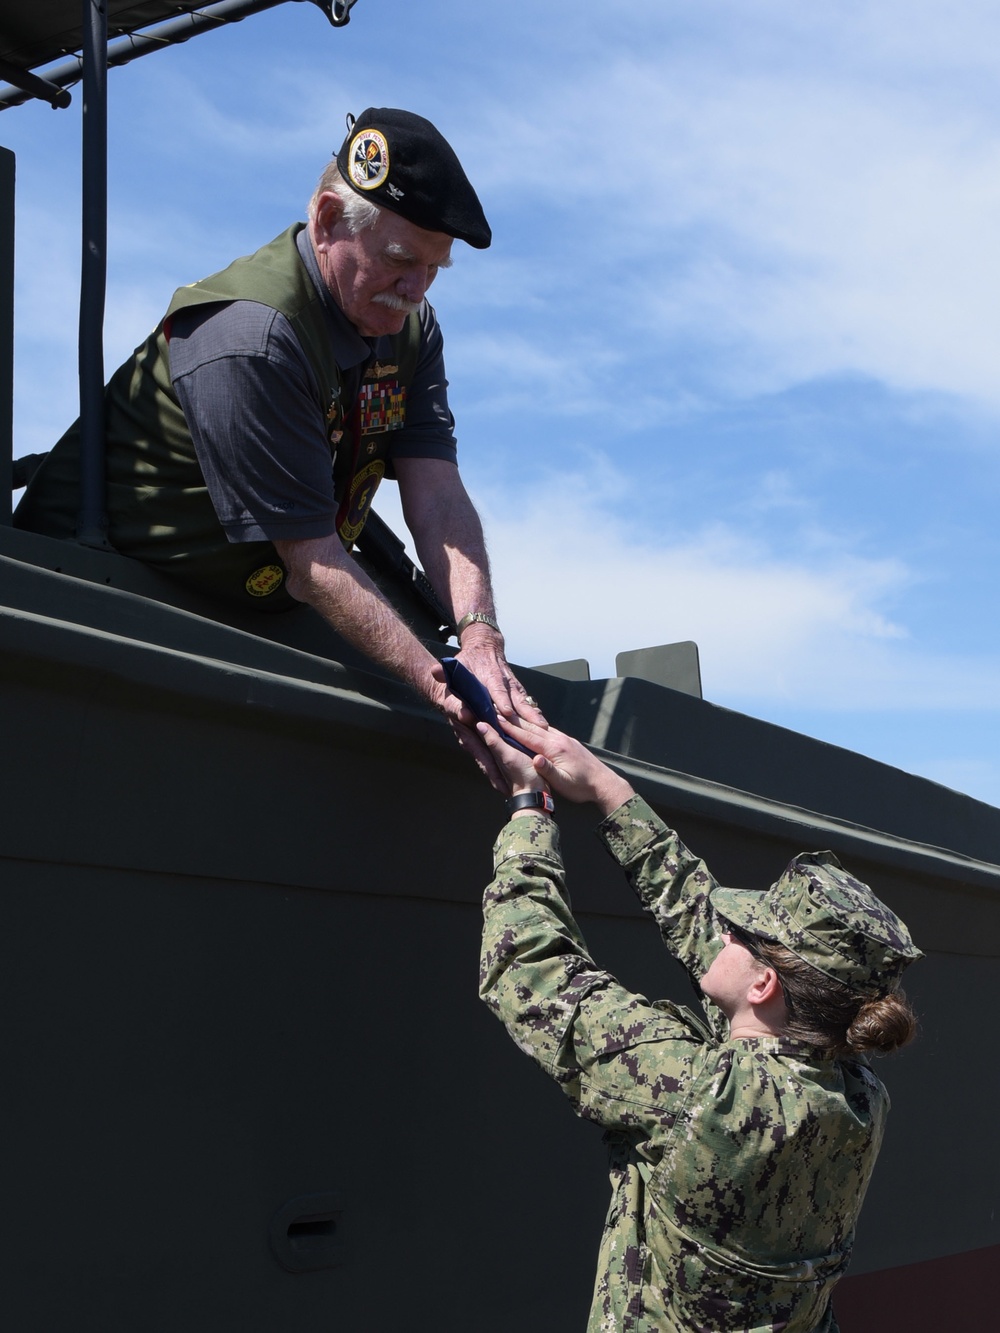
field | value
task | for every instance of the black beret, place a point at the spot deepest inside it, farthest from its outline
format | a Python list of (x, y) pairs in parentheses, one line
[(401, 162)]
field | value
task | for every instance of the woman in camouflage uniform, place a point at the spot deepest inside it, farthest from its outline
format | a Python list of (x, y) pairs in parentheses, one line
[(741, 1144)]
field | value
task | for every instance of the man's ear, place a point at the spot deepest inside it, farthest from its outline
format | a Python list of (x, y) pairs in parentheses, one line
[(328, 212)]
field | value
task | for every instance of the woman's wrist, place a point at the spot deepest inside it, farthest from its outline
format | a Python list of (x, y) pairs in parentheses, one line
[(533, 800)]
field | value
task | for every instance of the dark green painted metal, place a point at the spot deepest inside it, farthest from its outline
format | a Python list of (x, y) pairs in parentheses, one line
[(675, 665), (242, 886)]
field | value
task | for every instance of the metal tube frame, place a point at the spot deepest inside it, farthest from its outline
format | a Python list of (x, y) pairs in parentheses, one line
[(92, 520), (7, 166), (33, 86), (158, 38)]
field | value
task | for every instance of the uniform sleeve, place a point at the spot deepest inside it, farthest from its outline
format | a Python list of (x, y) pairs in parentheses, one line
[(621, 1061), (429, 431), (672, 884), (252, 406)]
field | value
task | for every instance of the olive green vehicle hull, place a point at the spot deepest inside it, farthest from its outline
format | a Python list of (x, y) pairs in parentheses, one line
[(252, 1085)]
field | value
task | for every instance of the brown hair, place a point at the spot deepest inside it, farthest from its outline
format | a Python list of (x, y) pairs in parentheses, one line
[(827, 1013)]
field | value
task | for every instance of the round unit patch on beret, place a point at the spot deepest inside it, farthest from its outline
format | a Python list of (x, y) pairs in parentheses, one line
[(401, 162), (368, 160), (827, 918)]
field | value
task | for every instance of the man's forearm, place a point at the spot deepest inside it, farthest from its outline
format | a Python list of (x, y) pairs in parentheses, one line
[(447, 534), (449, 540), (460, 574), (322, 574)]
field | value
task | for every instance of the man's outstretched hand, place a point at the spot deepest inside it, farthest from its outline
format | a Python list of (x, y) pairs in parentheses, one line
[(462, 721), (482, 652)]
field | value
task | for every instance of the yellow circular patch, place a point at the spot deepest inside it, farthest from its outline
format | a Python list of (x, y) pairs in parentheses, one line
[(363, 487), (265, 580), (368, 160)]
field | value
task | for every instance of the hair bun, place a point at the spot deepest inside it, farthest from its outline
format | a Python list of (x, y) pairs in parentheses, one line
[(882, 1024)]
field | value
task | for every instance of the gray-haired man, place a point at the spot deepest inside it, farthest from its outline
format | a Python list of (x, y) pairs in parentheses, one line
[(246, 437)]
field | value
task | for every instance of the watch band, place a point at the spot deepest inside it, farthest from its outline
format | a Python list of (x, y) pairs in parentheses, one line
[(475, 618), (531, 800)]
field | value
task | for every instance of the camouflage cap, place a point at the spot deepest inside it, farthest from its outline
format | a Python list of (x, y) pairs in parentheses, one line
[(827, 918)]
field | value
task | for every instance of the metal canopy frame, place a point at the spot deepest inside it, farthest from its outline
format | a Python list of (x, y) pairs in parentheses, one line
[(134, 38), (33, 38)]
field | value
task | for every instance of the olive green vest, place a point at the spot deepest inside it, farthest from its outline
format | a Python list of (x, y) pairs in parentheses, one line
[(159, 509)]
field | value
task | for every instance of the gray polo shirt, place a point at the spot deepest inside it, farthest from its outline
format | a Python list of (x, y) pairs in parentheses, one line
[(249, 396)]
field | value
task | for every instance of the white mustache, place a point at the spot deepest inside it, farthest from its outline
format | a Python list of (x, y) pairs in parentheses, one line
[(396, 303)]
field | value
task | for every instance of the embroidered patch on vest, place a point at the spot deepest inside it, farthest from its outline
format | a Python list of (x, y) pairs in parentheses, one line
[(363, 488), (368, 160), (383, 406), (262, 582)]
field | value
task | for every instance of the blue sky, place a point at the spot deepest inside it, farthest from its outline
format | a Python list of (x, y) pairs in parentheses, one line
[(729, 371)]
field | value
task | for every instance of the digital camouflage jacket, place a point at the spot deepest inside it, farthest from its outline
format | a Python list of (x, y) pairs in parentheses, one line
[(738, 1167)]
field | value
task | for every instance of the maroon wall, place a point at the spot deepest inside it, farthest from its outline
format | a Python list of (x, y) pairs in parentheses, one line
[(957, 1292)]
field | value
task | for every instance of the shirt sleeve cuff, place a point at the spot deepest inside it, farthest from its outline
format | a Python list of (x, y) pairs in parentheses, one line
[(630, 828), (528, 835), (275, 529)]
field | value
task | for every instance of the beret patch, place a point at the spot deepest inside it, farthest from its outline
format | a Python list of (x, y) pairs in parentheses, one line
[(402, 162), (368, 160)]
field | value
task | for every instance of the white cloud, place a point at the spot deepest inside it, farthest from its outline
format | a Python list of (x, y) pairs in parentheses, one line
[(506, 372), (572, 581), (779, 219), (834, 238)]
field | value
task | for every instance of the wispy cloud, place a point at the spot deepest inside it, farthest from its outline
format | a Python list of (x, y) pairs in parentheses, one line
[(778, 221), (820, 633)]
